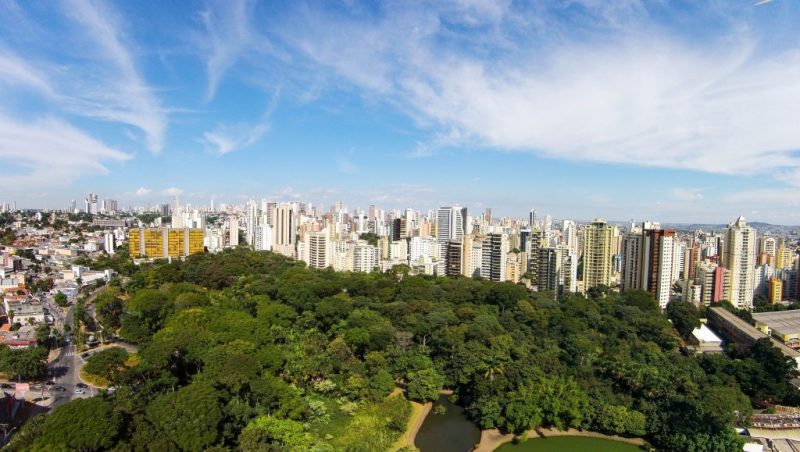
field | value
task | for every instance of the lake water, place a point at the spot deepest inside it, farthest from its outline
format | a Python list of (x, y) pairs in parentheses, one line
[(449, 432), (568, 444)]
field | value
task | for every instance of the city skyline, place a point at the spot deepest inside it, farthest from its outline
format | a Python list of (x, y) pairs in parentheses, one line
[(679, 112)]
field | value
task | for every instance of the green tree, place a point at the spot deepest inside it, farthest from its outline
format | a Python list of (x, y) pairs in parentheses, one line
[(424, 385), (189, 417), (83, 424), (684, 317), (269, 433), (109, 363)]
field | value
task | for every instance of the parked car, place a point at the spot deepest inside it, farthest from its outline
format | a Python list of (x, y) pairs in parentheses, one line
[(82, 385), (50, 383), (111, 389), (59, 388), (6, 386), (79, 391)]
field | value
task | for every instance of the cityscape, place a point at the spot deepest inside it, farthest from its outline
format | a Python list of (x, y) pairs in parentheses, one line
[(426, 226)]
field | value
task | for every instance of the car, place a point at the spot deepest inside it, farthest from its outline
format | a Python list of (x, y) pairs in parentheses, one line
[(82, 385), (86, 355), (6, 386), (59, 388), (111, 389), (50, 383), (79, 391)]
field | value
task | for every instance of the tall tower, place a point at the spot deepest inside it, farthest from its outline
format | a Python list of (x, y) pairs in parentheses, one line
[(597, 250), (451, 223), (740, 259), (656, 263), (493, 266), (285, 229), (317, 250)]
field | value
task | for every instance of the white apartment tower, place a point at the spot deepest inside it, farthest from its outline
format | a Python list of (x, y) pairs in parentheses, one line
[(739, 258)]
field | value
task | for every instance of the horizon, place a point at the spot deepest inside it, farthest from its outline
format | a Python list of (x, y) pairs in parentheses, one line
[(629, 110)]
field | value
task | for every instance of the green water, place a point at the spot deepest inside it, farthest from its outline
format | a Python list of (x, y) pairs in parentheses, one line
[(449, 432), (568, 444)]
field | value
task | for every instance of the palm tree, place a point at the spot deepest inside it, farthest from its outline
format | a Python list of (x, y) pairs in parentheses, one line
[(492, 367)]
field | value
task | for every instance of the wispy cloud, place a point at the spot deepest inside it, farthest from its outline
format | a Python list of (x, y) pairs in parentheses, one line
[(611, 86), (15, 71), (229, 36), (142, 191), (172, 192), (113, 89), (50, 152), (226, 138)]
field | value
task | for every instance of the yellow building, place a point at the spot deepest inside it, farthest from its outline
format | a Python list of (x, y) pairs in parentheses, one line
[(775, 290), (786, 257), (161, 243), (599, 242)]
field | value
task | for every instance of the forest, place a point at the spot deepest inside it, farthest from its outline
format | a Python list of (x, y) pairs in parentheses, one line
[(252, 351)]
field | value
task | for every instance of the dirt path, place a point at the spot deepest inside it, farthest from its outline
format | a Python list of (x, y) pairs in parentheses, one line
[(492, 439), (418, 414)]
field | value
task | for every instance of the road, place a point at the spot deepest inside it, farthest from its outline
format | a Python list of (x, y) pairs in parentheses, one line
[(64, 371)]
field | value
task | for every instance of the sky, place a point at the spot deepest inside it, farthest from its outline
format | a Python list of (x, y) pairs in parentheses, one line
[(673, 111)]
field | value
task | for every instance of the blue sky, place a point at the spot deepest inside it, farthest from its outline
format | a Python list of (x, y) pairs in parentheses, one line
[(674, 111)]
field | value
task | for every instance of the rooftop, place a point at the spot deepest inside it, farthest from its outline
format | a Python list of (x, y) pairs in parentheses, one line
[(704, 335), (786, 322)]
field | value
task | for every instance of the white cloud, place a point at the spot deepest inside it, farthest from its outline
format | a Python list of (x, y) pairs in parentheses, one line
[(14, 70), (142, 191), (229, 36), (226, 138), (112, 89), (639, 95), (172, 191), (50, 152), (229, 138)]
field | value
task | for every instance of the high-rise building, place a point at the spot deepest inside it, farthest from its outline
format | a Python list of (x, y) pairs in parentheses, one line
[(264, 238), (161, 243), (713, 281), (109, 206), (740, 259), (532, 218), (656, 263), (365, 257), (109, 242), (472, 256), (317, 250), (451, 223), (536, 240), (631, 256), (233, 231), (556, 270), (769, 246), (569, 234), (91, 204), (493, 265), (597, 253), (453, 258), (775, 290), (285, 229), (786, 257)]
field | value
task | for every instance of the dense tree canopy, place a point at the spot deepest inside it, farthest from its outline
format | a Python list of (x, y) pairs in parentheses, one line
[(254, 351)]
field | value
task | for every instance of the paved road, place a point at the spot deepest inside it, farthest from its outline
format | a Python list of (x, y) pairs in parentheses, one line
[(64, 371)]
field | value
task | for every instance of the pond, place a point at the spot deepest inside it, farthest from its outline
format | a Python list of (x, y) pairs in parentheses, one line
[(568, 444), (449, 432)]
